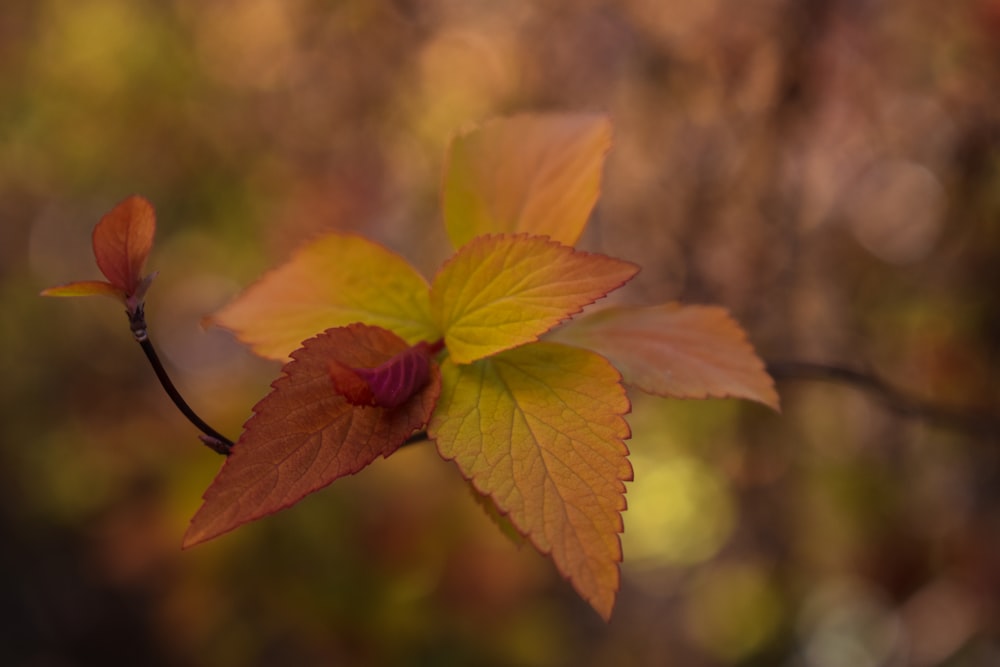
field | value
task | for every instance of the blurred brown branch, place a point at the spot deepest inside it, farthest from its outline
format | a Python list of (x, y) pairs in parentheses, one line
[(969, 420)]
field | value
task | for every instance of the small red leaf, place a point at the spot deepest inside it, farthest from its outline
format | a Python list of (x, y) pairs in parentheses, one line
[(388, 385), (350, 385), (305, 435), (122, 241)]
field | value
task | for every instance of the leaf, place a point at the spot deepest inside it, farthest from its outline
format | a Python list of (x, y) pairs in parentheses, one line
[(537, 174), (303, 435), (335, 281), (499, 292), (389, 384), (122, 241), (539, 429), (85, 288), (675, 350)]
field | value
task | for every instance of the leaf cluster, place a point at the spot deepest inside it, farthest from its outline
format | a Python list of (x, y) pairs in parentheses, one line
[(494, 357)]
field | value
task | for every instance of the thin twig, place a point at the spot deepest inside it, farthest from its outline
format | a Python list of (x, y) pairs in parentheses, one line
[(963, 420), (212, 438)]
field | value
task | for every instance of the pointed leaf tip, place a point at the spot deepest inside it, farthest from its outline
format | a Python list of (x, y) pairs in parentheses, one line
[(303, 435)]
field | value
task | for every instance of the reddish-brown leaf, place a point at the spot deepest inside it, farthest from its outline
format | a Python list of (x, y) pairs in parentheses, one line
[(678, 351), (304, 435), (122, 241)]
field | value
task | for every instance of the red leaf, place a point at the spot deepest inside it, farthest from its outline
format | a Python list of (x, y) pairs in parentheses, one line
[(305, 435), (122, 241), (350, 385), (388, 385)]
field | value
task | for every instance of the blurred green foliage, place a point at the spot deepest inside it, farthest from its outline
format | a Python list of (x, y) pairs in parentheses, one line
[(827, 169)]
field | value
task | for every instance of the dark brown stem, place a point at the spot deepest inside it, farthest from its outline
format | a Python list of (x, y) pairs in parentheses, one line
[(212, 438)]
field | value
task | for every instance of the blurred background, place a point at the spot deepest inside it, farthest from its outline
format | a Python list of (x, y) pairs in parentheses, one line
[(829, 170)]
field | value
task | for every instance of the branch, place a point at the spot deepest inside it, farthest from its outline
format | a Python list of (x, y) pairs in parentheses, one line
[(212, 438), (970, 421)]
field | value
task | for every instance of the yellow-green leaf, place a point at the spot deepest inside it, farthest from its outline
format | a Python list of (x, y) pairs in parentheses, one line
[(538, 174), (678, 351), (85, 288), (335, 281), (540, 430), (499, 292)]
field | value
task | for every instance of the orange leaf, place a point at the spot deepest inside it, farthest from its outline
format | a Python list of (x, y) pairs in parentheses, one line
[(304, 435), (540, 430), (335, 281), (538, 174), (122, 242), (675, 350), (499, 292)]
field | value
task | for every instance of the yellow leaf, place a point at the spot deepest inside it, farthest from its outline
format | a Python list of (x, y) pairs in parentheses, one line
[(335, 281), (537, 174), (678, 351), (499, 292), (539, 429)]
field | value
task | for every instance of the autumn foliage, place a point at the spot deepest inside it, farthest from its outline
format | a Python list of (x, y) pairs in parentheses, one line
[(122, 242), (492, 358)]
